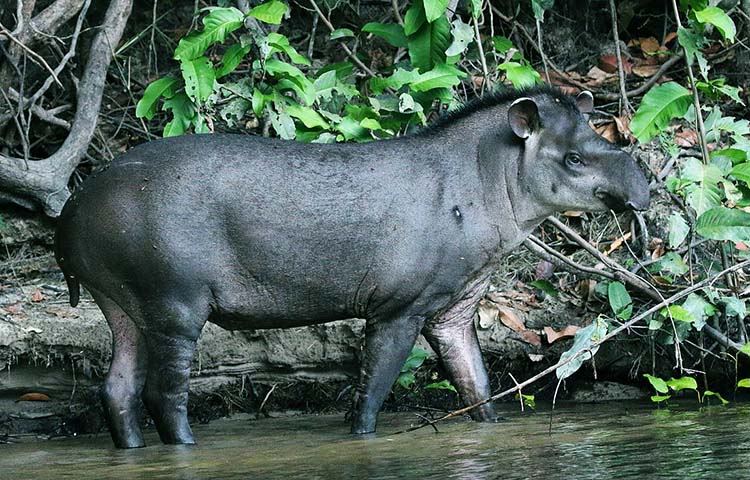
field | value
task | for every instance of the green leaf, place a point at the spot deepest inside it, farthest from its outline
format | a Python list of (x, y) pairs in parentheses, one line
[(415, 359), (539, 6), (678, 313), (341, 33), (718, 18), (744, 383), (199, 78), (682, 383), (476, 10), (545, 286), (406, 380), (583, 340), (217, 25), (371, 124), (723, 223), (163, 87), (441, 76), (270, 12), (434, 9), (183, 112), (520, 75), (351, 129), (660, 398), (658, 107), (746, 349), (441, 385), (463, 35), (231, 59), (428, 45), (709, 393), (234, 111), (692, 41), (740, 172), (414, 18), (736, 155), (678, 230), (699, 309), (390, 32), (309, 117), (658, 384), (619, 300), (502, 44), (672, 263), (705, 193), (735, 307), (283, 124), (277, 42)]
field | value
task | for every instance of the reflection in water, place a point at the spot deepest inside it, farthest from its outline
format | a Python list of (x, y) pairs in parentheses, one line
[(586, 442)]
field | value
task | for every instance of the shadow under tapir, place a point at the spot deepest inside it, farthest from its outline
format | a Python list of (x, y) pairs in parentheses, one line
[(250, 232)]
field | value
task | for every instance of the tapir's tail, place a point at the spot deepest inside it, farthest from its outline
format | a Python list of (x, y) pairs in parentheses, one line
[(74, 288)]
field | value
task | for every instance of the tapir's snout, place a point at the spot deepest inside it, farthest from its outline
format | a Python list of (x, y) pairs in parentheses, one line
[(628, 188)]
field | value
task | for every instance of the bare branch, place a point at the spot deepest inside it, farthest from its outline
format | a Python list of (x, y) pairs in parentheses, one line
[(45, 181)]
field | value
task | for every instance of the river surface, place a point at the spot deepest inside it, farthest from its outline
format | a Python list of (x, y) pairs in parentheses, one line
[(592, 441)]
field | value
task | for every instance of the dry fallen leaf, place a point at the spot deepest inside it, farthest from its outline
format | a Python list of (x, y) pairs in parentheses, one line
[(566, 332), (488, 313), (649, 45), (741, 246), (531, 337), (686, 138), (618, 242), (607, 130), (511, 320), (573, 213), (536, 357), (623, 127), (37, 296), (608, 63), (646, 71), (33, 397), (670, 36)]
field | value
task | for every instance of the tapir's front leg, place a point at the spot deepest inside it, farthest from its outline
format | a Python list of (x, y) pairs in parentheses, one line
[(454, 338), (458, 348)]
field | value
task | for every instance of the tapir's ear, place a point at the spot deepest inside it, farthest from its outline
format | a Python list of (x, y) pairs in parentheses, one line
[(585, 102), (523, 116)]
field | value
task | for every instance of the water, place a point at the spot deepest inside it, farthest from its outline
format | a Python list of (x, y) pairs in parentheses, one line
[(586, 442)]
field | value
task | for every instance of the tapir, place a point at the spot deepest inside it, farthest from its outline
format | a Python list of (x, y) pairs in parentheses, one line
[(253, 233)]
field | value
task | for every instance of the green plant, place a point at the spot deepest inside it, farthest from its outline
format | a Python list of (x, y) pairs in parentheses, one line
[(279, 85), (415, 360), (663, 387)]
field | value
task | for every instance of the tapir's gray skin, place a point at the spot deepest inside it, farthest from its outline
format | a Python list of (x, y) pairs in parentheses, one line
[(254, 233)]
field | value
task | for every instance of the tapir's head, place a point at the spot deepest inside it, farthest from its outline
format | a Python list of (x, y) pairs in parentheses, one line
[(565, 164)]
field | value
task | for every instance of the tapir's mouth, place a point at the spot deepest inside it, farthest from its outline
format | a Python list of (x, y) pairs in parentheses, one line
[(612, 202)]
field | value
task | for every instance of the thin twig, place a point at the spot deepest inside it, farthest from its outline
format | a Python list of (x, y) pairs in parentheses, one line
[(485, 71), (396, 12), (348, 51), (620, 69), (38, 59), (696, 100)]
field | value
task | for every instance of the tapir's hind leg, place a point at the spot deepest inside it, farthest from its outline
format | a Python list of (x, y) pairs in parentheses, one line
[(171, 341), (387, 346), (121, 393)]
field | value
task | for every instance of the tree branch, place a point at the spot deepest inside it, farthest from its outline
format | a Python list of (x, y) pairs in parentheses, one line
[(45, 181)]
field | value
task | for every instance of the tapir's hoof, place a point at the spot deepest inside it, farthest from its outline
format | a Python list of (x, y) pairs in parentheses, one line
[(183, 439)]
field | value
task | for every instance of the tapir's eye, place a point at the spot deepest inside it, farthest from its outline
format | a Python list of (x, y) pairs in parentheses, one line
[(573, 159)]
